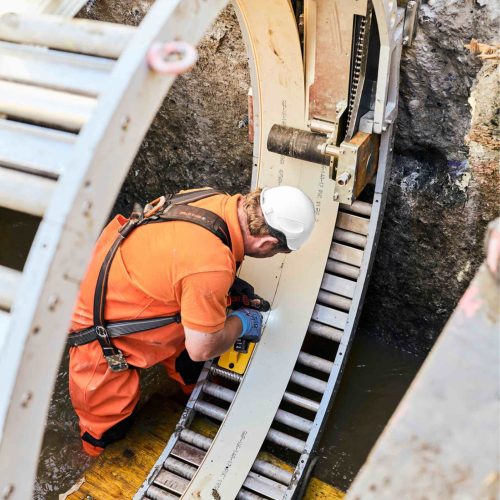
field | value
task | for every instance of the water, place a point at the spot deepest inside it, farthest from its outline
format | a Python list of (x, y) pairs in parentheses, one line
[(374, 381)]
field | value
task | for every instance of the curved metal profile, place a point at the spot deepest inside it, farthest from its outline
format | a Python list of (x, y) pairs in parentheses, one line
[(275, 383), (34, 332)]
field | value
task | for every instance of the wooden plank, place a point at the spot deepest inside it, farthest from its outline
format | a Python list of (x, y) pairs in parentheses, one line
[(35, 149), (53, 69), (329, 316), (72, 35), (40, 105), (338, 285), (353, 223), (120, 470), (9, 284), (25, 192), (349, 255)]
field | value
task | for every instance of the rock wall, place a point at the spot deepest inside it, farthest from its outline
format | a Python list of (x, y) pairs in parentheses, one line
[(439, 200), (441, 196)]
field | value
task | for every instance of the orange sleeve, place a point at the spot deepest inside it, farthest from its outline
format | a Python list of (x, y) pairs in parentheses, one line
[(203, 300)]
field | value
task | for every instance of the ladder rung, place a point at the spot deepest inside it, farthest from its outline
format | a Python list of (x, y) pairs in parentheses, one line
[(40, 105), (171, 481), (282, 416), (25, 192), (188, 453), (315, 362), (35, 149), (260, 466), (53, 69), (358, 207), (334, 300), (342, 269), (155, 493), (344, 253), (329, 316), (264, 486), (72, 35), (338, 285), (352, 223), (325, 331), (354, 239), (9, 284)]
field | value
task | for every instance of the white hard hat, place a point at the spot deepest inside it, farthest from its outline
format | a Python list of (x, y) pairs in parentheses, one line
[(289, 210)]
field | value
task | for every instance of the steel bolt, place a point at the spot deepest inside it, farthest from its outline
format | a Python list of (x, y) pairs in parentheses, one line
[(26, 398), (7, 491), (344, 179), (336, 196), (53, 302), (86, 206)]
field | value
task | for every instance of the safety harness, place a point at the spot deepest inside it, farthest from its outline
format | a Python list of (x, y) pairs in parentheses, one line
[(164, 209)]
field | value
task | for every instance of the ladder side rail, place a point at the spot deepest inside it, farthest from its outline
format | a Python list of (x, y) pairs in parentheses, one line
[(82, 200), (375, 225)]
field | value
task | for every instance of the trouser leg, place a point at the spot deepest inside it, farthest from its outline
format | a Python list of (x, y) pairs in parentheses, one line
[(184, 370), (103, 400)]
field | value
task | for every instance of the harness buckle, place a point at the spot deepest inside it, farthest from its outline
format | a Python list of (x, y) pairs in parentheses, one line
[(154, 206), (114, 357)]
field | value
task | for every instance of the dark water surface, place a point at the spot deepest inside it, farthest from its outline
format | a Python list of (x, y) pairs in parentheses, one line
[(374, 381)]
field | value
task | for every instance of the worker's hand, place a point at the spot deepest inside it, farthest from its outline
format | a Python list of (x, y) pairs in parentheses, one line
[(242, 294), (251, 322)]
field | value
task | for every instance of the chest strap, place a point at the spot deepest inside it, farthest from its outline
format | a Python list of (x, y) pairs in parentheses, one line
[(164, 209)]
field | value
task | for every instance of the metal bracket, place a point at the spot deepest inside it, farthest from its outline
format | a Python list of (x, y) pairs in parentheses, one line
[(411, 22), (357, 164)]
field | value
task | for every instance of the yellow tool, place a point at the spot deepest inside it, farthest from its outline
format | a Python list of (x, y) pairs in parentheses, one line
[(236, 361)]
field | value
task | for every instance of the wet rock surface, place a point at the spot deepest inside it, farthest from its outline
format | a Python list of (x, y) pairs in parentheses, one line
[(441, 195), (439, 199)]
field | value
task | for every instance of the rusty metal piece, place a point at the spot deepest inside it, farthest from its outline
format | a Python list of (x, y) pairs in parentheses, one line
[(297, 143), (328, 38), (357, 166)]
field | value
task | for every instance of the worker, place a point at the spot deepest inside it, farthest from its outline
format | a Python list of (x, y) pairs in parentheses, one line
[(158, 293)]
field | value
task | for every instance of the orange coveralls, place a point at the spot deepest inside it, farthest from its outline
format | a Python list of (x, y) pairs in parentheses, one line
[(159, 269)]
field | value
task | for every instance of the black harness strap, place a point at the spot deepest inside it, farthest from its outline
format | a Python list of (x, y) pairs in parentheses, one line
[(176, 208)]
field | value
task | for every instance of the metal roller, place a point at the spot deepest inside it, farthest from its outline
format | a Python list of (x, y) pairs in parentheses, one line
[(260, 466), (315, 384), (358, 207), (180, 468), (274, 436), (328, 332), (334, 300), (342, 269), (301, 401), (155, 493), (315, 362), (282, 416), (343, 236), (297, 143)]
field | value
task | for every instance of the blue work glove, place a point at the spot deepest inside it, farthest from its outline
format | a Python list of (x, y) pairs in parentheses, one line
[(251, 321)]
